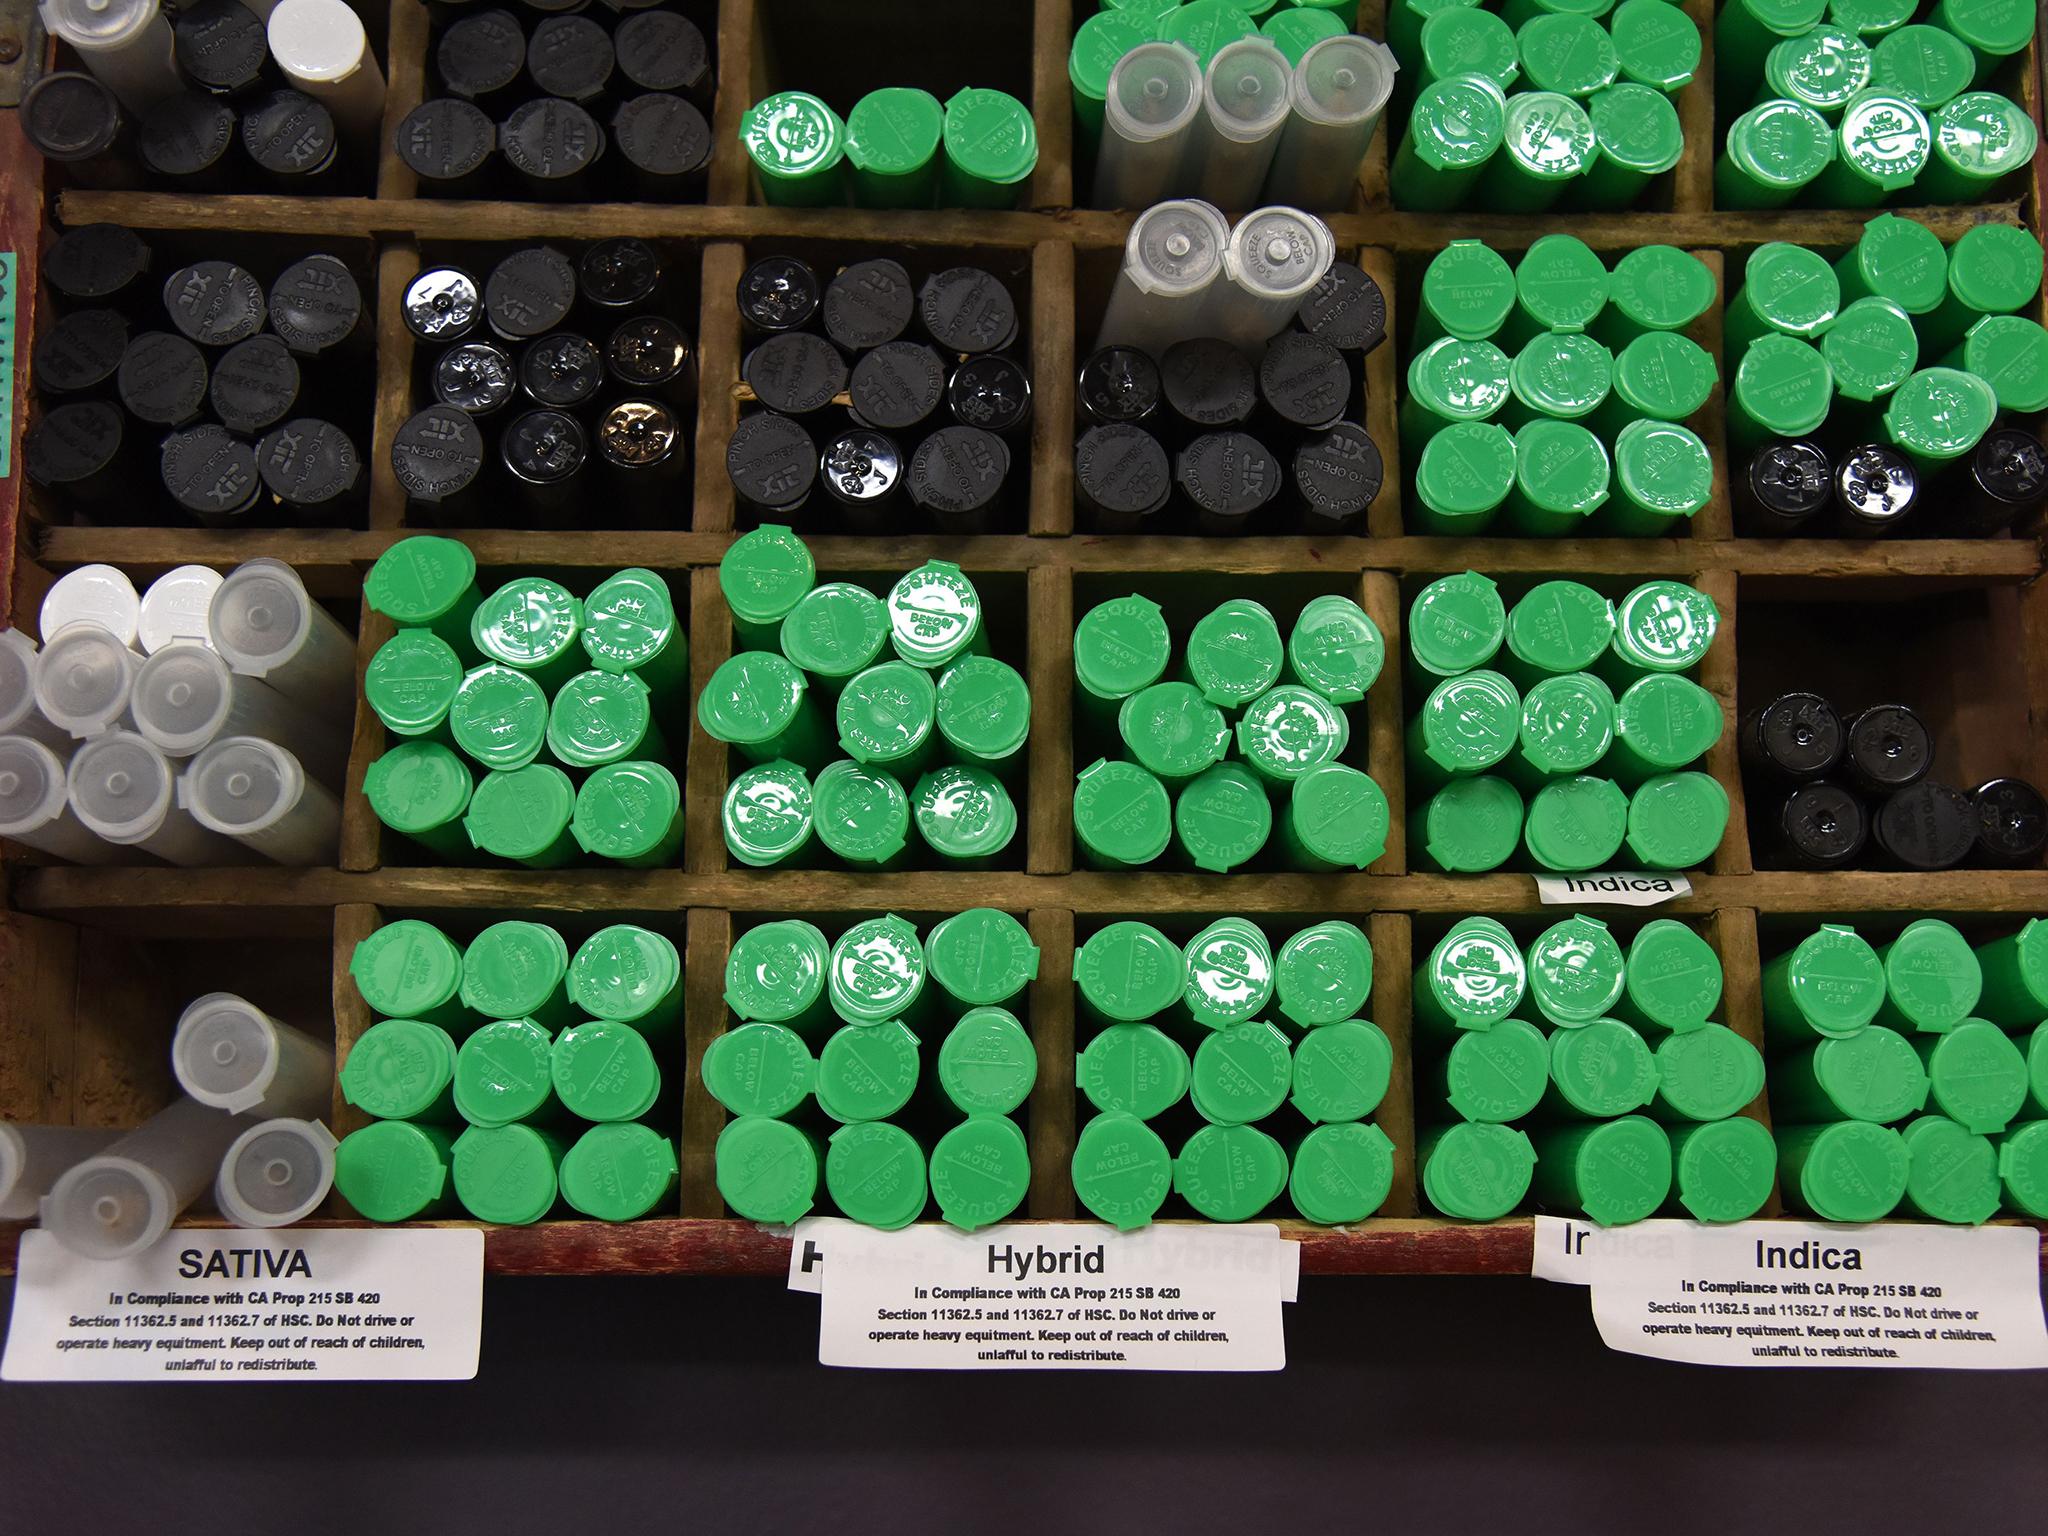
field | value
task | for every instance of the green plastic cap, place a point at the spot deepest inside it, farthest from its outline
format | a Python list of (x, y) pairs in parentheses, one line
[(1575, 971), (767, 1170), (502, 1072), (1222, 817), (626, 811), (629, 620), (520, 813), (1673, 976), (1130, 971), (835, 629), (1241, 1074), (1622, 1169), (1469, 41), (1499, 1074), (1560, 282), (1470, 722), (1793, 290), (1099, 43), (1852, 1171), (1339, 815), (1204, 26), (1874, 1075), (1341, 1173), (1475, 974), (789, 136), (984, 707), (1668, 721), (1336, 649), (877, 970), (505, 1173), (766, 572), (1975, 1074), (1562, 373), (1567, 723), (528, 622), (934, 614), (980, 1171), (1835, 980), (1903, 260), (1932, 979), (860, 813), (599, 717), (990, 136), (987, 1064), (605, 1071), (1785, 385), (1637, 127), (1468, 285), (1660, 287), (618, 1172), (1709, 1073), (411, 681), (406, 969), (1821, 69), (767, 813), (1296, 29), (1561, 467), (1576, 824), (392, 1171), (1940, 413), (776, 972), (759, 1069), (1872, 348), (1603, 1068), (1459, 380), (981, 957), (1560, 52), (623, 972), (1676, 820), (1724, 1170), (513, 970), (1871, 18), (1548, 135), (1665, 375), (1230, 1172), (751, 699), (1781, 144), (1994, 268), (1466, 470), (1657, 44), (886, 714), (499, 717), (419, 579), (1121, 812), (398, 1069), (1234, 653), (1993, 27), (1341, 1071), (1951, 1173), (2010, 353), (2022, 1166), (895, 131), (1289, 731), (1473, 825), (1560, 626), (1229, 973), (1172, 730), (1885, 139), (1121, 646), (1135, 1069), (867, 1071), (1666, 626), (1456, 623), (1983, 136), (1323, 974), (875, 1173), (1929, 66), (964, 813), (1477, 1172), (418, 786), (1122, 1170), (1457, 123)]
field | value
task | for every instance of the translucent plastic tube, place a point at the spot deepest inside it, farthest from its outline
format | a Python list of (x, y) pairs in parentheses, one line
[(1244, 107), (264, 624), (1173, 258), (19, 715), (33, 1157), (34, 810), (85, 679), (185, 698), (276, 1173), (120, 787), (1148, 118), (92, 594), (1275, 255), (125, 1198), (321, 47), (229, 1054), (1340, 89), (256, 792), (174, 607), (127, 44)]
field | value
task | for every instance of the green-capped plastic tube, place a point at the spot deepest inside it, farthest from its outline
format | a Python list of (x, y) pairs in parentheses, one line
[(1455, 130), (798, 148), (877, 971), (1786, 290), (1554, 628), (1122, 1171), (1134, 1069), (991, 149), (604, 717), (892, 143), (1927, 65), (1520, 13), (1120, 646), (1744, 33), (1467, 725), (935, 615), (867, 1071), (1566, 52), (2022, 1168), (1975, 1074), (421, 789), (427, 582), (1873, 1074), (766, 816), (1099, 42), (1658, 376), (1672, 980), (1613, 1173), (1830, 984), (630, 975), (502, 1073), (1660, 626), (1222, 818), (532, 624), (2014, 972), (618, 1172), (1677, 820), (1994, 29), (410, 683), (1561, 284), (1335, 818), (1663, 477), (1341, 1173), (1450, 381), (401, 1069), (1240, 1074), (499, 717), (1294, 29), (760, 1069), (1654, 288), (1341, 1071), (1496, 1075), (1880, 149), (1405, 21), (411, 970), (981, 957), (1722, 1170), (964, 815), (631, 814), (1951, 1172), (1708, 1073), (835, 631), (984, 712), (1562, 477), (1465, 40), (1575, 824), (1657, 45), (393, 1170), (1128, 972), (767, 1169), (1662, 724), (1993, 269), (1932, 979), (1639, 138), (1871, 18), (1234, 652), (1172, 732), (1899, 259), (764, 575), (1872, 349), (887, 717), (1335, 648), (1548, 144), (1465, 474), (1980, 139), (1467, 290), (630, 625), (980, 1171), (1472, 979), (1567, 727), (523, 814), (517, 970), (508, 1174), (1598, 1071), (1469, 826), (1939, 415), (2010, 353), (1575, 971), (1822, 69), (1565, 375), (1456, 624), (1230, 1172), (1847, 1171), (1783, 389), (987, 1063), (1123, 816), (776, 975), (1475, 1172), (1290, 731), (875, 1174), (1773, 153), (1323, 974), (759, 703)]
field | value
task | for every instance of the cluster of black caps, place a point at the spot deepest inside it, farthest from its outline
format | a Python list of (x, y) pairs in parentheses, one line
[(229, 383), (1868, 490)]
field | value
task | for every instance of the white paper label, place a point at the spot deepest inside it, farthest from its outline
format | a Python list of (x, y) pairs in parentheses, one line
[(283, 1305), (1618, 888), (1808, 1294), (1053, 1296)]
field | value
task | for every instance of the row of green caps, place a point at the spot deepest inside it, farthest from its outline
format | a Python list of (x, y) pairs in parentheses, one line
[(1883, 149), (1574, 824), (1561, 375), (1555, 478), (1833, 982), (505, 1072), (1129, 972), (1460, 623), (787, 972), (898, 148), (1846, 45), (518, 970), (777, 814), (1470, 293), (1973, 1073), (394, 1170), (1574, 974), (1651, 42), (978, 1171), (1241, 1074), (1234, 653), (1123, 1171)]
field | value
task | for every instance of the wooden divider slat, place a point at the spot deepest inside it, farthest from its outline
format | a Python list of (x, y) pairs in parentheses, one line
[(718, 412), (1049, 655), (1053, 366), (1732, 932), (1385, 718), (704, 773), (354, 921), (1052, 103), (1692, 183), (362, 834), (1717, 676), (1393, 967), (397, 265), (707, 942), (1052, 1110), (1382, 387), (1716, 520), (405, 87)]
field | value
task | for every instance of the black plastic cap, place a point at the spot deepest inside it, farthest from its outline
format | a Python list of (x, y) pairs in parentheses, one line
[(476, 377), (255, 385), (869, 304), (795, 373), (95, 261), (309, 463), (662, 51), (550, 140), (1886, 748), (288, 133), (1795, 736), (2012, 822), (570, 57), (1786, 484), (1346, 309), (162, 379), (1121, 473), (771, 460), (562, 370), (897, 386), (211, 473), (80, 352), (221, 44), (1337, 475), (1822, 826), (1927, 826), (623, 272), (529, 293), (443, 304), (315, 305), (1227, 475), (862, 468), (480, 54), (543, 447), (1876, 489), (778, 293), (991, 392), (437, 453), (958, 472), (72, 443), (446, 139), (216, 303), (1304, 381), (69, 116), (662, 135), (965, 309), (185, 135), (1118, 384), (1208, 383), (648, 352)]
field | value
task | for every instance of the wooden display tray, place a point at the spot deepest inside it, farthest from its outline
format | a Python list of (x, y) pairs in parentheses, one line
[(95, 963)]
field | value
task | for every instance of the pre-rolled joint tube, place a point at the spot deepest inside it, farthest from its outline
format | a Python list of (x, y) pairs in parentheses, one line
[(123, 1199), (323, 50), (257, 793), (184, 678), (265, 624), (229, 1054), (1245, 105), (1148, 120), (276, 1173), (1173, 260), (34, 1157), (1339, 91), (35, 807)]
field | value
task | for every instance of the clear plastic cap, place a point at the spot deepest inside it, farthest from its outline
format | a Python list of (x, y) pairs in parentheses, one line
[(1154, 92), (94, 25), (229, 1054), (319, 40), (276, 1173), (92, 594), (242, 785), (1245, 89), (1280, 253), (84, 680), (1344, 80), (19, 661), (174, 607), (260, 617), (31, 785), (181, 698), (1176, 248), (120, 786), (109, 1207)]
